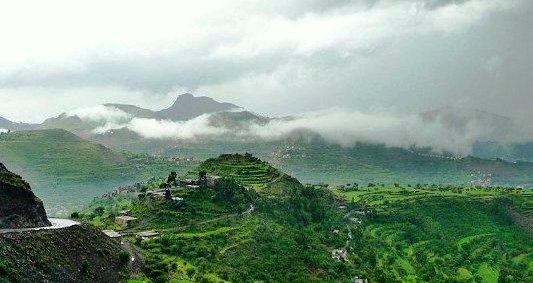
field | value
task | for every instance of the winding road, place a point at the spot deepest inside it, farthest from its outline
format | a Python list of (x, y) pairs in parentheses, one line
[(57, 223)]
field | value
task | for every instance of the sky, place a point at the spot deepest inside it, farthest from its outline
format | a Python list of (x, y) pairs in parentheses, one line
[(272, 57)]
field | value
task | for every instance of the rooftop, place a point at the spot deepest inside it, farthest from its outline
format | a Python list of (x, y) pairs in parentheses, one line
[(111, 234), (149, 233)]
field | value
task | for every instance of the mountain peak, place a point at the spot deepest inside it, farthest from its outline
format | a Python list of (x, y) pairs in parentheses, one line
[(186, 95), (188, 106)]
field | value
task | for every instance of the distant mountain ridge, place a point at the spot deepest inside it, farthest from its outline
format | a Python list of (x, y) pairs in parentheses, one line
[(493, 135), (12, 126), (462, 120), (188, 106), (185, 107)]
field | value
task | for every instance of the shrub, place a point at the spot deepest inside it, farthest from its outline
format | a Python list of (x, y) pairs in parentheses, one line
[(124, 258), (84, 268)]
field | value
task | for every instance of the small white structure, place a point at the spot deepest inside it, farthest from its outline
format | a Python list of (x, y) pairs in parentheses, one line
[(124, 220), (145, 235), (339, 254), (177, 199), (111, 234)]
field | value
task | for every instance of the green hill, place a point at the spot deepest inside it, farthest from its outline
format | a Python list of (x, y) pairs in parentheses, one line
[(316, 161), (63, 167), (242, 230), (436, 233), (248, 171), (231, 232)]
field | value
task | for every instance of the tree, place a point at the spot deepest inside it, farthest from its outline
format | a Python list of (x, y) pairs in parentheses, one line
[(172, 178), (202, 178), (99, 210)]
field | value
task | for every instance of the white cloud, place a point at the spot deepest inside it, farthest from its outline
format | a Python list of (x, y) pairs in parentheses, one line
[(346, 127), (101, 113), (161, 129), (61, 42), (271, 56)]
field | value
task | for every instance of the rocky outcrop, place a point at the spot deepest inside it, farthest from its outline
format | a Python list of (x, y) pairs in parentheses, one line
[(19, 207), (75, 254)]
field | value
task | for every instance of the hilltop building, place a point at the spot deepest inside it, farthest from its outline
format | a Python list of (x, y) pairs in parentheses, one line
[(124, 220), (206, 180), (145, 235)]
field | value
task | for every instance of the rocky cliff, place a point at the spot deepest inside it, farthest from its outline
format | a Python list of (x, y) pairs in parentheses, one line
[(74, 254), (19, 207)]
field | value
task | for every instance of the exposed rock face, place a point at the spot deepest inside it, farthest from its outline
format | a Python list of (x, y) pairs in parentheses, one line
[(19, 207), (73, 254)]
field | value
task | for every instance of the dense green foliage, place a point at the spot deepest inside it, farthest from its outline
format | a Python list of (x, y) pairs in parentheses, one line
[(233, 232), (432, 233)]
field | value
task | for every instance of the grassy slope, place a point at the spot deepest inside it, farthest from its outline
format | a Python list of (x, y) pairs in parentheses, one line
[(57, 163), (444, 234), (249, 171), (320, 162), (413, 234), (213, 235)]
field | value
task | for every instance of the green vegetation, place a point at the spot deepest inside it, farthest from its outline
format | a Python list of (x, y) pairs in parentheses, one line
[(68, 158), (252, 228), (444, 233), (235, 233), (317, 161), (248, 171), (58, 163)]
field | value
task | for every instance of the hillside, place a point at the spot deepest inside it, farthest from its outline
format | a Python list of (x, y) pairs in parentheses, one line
[(67, 170), (515, 151), (313, 161), (250, 172), (435, 233), (230, 232), (19, 207), (306, 233), (74, 254)]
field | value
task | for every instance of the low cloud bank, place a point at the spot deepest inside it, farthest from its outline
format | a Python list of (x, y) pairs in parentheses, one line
[(346, 128), (191, 129), (101, 114), (449, 131)]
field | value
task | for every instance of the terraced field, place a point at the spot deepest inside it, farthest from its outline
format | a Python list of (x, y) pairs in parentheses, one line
[(457, 234), (247, 170)]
